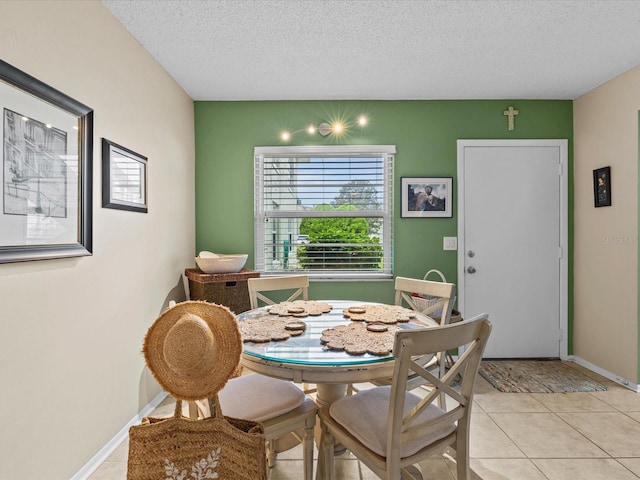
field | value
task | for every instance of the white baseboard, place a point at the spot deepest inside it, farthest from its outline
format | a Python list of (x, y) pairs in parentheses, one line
[(97, 460), (608, 375)]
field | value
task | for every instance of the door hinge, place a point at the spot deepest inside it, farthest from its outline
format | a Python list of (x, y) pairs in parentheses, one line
[(560, 333), (559, 169), (560, 251)]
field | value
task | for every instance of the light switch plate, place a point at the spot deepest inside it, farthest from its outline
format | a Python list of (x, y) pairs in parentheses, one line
[(450, 243)]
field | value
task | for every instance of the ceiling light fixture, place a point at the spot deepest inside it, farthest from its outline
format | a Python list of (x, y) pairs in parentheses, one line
[(336, 128)]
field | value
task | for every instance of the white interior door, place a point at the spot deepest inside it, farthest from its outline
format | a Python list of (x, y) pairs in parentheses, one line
[(512, 217)]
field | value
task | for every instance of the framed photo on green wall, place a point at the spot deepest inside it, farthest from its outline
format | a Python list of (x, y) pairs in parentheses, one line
[(426, 197)]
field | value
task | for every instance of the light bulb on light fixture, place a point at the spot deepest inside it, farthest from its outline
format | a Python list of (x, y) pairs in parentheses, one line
[(336, 128)]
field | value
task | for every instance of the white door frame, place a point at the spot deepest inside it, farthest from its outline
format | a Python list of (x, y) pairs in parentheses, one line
[(564, 223)]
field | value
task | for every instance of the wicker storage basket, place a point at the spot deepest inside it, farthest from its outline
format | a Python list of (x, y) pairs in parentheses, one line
[(425, 302), (228, 289)]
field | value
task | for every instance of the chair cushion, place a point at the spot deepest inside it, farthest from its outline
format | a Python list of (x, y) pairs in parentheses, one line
[(365, 415), (258, 397)]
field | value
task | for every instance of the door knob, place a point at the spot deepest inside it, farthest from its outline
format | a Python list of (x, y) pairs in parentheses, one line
[(471, 270), (471, 254)]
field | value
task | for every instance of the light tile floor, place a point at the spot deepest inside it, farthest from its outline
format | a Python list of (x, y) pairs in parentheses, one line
[(514, 436)]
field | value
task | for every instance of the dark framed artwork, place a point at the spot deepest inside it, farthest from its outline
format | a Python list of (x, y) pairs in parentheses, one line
[(602, 187), (124, 178), (426, 197), (47, 160)]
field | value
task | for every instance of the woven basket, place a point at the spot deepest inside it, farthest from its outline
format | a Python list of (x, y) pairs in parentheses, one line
[(178, 448), (428, 304)]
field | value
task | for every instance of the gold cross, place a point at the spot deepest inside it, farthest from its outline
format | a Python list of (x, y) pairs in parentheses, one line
[(510, 112)]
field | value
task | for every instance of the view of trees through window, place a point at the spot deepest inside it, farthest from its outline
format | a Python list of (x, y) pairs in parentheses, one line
[(344, 242), (327, 214)]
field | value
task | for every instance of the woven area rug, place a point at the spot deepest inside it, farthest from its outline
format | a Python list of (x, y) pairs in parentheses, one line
[(536, 376)]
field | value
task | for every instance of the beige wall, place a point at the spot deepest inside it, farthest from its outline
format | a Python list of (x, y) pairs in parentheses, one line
[(606, 238), (71, 372)]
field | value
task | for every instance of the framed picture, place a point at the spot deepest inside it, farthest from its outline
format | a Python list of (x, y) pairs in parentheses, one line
[(602, 187), (47, 159), (426, 197), (124, 178)]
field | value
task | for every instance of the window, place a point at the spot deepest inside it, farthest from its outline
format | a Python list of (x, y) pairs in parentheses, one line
[(324, 211)]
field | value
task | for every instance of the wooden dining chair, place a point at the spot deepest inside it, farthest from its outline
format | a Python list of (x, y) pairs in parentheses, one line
[(413, 428), (434, 299), (296, 286), (426, 297)]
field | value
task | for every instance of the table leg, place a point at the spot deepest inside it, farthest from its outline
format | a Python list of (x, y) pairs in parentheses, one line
[(326, 395), (329, 393)]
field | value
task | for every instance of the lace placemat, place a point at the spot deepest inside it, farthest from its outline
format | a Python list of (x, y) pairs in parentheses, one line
[(387, 314), (300, 308), (268, 328), (360, 338)]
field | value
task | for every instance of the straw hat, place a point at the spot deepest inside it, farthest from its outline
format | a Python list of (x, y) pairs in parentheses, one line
[(192, 349)]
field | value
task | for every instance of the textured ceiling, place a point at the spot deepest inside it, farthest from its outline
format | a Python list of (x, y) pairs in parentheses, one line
[(384, 49)]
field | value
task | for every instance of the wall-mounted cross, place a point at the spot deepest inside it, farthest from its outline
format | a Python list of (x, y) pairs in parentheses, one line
[(511, 113)]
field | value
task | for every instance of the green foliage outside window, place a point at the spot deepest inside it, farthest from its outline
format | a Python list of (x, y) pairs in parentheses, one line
[(339, 242)]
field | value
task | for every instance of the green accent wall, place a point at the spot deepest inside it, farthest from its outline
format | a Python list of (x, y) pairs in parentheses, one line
[(425, 134)]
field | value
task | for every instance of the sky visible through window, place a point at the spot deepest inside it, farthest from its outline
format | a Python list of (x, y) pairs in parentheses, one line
[(319, 179)]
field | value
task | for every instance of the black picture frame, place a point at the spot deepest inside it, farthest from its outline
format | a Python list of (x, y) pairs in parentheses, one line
[(47, 171), (124, 178), (602, 187), (426, 197)]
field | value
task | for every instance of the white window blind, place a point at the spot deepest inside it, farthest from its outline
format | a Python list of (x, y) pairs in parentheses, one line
[(324, 211)]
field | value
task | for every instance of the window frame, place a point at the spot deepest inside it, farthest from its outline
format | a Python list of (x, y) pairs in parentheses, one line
[(387, 152)]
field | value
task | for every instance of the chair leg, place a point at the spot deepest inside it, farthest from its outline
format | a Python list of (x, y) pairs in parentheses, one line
[(462, 452), (271, 453), (307, 449), (327, 445)]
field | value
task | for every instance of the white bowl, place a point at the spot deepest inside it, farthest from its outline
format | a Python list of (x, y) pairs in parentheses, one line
[(222, 263)]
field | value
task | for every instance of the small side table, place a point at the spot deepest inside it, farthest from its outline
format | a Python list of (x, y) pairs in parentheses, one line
[(228, 289)]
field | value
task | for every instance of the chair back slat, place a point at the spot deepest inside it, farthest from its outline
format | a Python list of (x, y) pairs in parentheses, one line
[(257, 286), (442, 296)]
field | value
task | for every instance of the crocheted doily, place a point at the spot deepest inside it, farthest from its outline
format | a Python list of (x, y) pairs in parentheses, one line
[(268, 328), (360, 338), (387, 314), (300, 308)]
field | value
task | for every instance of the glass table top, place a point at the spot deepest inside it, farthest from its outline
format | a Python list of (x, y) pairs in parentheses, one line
[(307, 349)]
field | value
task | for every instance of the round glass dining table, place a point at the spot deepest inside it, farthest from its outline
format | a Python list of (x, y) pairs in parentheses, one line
[(304, 359)]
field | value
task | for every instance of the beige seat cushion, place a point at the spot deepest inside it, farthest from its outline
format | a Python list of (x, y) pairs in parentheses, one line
[(365, 414), (258, 397)]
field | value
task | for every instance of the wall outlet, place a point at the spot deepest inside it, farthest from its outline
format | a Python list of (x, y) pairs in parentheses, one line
[(450, 243)]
